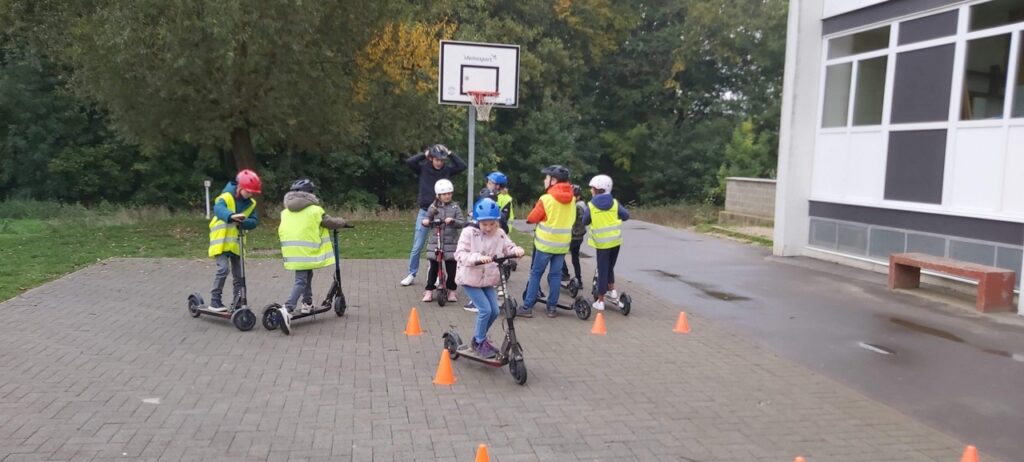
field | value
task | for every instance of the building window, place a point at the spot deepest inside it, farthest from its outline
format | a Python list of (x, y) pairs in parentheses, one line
[(862, 42), (985, 78), (837, 95), (996, 13), (922, 76), (1018, 87), (867, 104)]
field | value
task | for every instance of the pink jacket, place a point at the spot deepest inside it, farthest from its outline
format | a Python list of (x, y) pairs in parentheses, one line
[(474, 244)]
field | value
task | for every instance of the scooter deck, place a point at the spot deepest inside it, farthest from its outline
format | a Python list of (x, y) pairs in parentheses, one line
[(319, 310), (465, 350), (218, 314)]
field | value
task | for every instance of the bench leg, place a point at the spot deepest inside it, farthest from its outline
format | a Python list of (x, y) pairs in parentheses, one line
[(995, 293), (904, 276)]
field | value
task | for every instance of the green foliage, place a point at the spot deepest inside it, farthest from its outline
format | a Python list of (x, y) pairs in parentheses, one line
[(749, 154)]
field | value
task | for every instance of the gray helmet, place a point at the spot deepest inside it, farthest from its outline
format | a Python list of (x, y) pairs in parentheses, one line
[(439, 151), (557, 172), (304, 185)]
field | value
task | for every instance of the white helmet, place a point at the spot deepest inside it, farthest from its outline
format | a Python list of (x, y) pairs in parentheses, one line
[(443, 187), (603, 182)]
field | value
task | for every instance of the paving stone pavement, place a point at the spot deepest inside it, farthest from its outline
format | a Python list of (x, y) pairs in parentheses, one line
[(105, 364)]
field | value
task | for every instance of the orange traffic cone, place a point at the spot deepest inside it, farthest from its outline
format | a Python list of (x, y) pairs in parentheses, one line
[(599, 325), (970, 454), (682, 326), (481, 454), (413, 326), (799, 459), (444, 375)]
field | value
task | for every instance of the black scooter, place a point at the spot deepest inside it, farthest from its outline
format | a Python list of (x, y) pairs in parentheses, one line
[(511, 352), (441, 292), (624, 303), (239, 313), (335, 298), (579, 304)]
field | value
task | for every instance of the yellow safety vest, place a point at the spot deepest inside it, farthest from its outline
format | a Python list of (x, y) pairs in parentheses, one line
[(605, 227), (304, 243), (554, 234), (224, 236), (504, 199)]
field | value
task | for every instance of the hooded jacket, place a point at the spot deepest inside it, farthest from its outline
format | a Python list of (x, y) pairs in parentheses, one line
[(473, 244), (562, 192), (220, 208), (604, 202), (428, 175), (450, 237), (296, 201)]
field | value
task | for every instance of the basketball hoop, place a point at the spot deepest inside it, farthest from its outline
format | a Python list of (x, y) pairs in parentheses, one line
[(483, 101)]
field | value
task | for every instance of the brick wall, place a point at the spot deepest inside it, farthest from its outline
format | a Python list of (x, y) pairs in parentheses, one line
[(750, 196)]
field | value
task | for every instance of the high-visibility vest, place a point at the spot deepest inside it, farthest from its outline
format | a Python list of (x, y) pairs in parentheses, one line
[(304, 243), (224, 236), (554, 234), (503, 200), (605, 227)]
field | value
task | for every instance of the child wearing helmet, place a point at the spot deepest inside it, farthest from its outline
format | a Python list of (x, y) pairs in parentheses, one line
[(234, 208), (579, 231), (605, 215), (476, 248), (448, 211), (429, 166), (554, 215), (304, 244), (498, 183)]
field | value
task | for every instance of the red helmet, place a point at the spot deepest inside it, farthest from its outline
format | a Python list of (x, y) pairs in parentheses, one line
[(249, 181)]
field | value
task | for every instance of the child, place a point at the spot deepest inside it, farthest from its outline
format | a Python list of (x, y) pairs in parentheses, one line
[(476, 248), (447, 211), (430, 166), (579, 231), (605, 216), (234, 208), (554, 215), (498, 183), (305, 245)]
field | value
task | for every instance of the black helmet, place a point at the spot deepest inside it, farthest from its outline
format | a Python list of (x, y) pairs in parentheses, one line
[(557, 172), (439, 151), (304, 185), (486, 193), (576, 191)]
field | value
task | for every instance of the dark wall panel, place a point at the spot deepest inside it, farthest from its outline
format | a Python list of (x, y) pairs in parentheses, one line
[(915, 166), (921, 88), (971, 228), (929, 27), (880, 12)]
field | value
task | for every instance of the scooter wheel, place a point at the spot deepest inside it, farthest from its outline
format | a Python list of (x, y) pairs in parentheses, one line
[(442, 297), (574, 288), (625, 304), (270, 316), (517, 367), (593, 291), (582, 308), (194, 302), (243, 319), (451, 343), (339, 304)]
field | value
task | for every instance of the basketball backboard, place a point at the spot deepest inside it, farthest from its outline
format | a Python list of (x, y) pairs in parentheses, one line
[(469, 66)]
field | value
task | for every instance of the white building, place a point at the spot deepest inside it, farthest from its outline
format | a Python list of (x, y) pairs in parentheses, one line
[(903, 131)]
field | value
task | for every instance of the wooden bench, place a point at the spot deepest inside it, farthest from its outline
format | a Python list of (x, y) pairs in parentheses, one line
[(995, 285)]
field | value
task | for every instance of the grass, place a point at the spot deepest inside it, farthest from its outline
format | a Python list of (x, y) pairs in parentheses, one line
[(678, 215), (40, 241)]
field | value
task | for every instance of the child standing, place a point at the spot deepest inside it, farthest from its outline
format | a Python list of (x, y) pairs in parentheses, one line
[(579, 231), (445, 210), (305, 245), (554, 215), (235, 208), (498, 183), (476, 248), (605, 216)]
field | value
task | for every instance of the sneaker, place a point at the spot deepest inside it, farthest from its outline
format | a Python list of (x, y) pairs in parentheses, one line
[(471, 307), (552, 313), (612, 294), (598, 305), (452, 296), (408, 280), (218, 309), (523, 312), (501, 293), (565, 281), (284, 320), (428, 296), (305, 308), (484, 349)]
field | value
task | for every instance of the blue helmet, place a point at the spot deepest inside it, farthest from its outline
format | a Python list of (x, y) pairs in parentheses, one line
[(486, 210), (498, 178)]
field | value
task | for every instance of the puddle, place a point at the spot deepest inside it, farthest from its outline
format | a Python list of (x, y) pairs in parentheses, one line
[(707, 289), (876, 348), (1019, 357)]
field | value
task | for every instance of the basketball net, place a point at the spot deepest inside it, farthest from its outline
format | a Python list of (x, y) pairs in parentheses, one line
[(483, 101)]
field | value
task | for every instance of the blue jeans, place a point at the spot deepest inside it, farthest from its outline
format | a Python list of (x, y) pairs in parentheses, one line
[(486, 300), (303, 288), (542, 260), (225, 261), (419, 238)]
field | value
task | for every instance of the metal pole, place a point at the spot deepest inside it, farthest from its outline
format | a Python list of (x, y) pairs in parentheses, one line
[(472, 157), (206, 184)]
